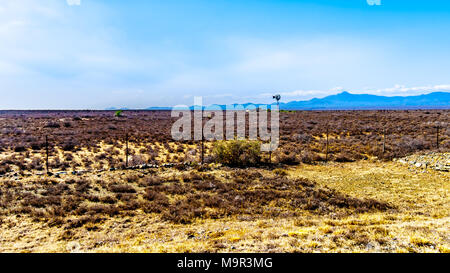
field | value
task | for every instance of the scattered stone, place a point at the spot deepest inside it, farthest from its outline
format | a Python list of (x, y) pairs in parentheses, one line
[(433, 160)]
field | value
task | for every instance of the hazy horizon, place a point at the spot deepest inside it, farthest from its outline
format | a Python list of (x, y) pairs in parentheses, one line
[(155, 107)]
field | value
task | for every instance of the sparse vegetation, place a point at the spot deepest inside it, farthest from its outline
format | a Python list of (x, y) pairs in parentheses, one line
[(118, 113), (358, 201)]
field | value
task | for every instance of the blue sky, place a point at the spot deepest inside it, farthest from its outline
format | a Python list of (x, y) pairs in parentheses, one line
[(70, 54)]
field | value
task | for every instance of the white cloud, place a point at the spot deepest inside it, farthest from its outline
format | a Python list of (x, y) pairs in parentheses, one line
[(74, 2), (337, 89), (399, 89)]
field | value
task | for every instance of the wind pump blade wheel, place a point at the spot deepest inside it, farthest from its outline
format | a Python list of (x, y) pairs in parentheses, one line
[(278, 98)]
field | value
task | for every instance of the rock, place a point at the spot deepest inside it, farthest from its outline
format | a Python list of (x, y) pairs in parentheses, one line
[(73, 247), (370, 246), (238, 197), (433, 160)]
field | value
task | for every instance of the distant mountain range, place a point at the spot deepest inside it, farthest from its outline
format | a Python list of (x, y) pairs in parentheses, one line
[(348, 101)]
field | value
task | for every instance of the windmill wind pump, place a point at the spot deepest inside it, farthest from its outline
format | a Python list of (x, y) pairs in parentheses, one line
[(277, 98)]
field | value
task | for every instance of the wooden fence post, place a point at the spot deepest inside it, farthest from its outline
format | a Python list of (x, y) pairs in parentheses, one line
[(437, 136), (203, 148), (46, 152), (126, 151), (326, 158), (384, 140)]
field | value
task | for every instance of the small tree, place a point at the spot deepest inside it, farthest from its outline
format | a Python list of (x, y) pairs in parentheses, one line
[(237, 153), (118, 113)]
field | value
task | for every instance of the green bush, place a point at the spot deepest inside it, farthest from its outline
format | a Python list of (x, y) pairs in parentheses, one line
[(118, 113), (237, 153)]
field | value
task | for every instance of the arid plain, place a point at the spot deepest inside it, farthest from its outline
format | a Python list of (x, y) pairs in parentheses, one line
[(341, 181)]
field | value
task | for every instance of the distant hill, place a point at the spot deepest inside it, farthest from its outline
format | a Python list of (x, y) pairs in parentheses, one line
[(115, 109), (159, 108), (348, 101)]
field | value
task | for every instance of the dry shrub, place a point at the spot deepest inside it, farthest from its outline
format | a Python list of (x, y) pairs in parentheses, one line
[(289, 158), (82, 185), (303, 132), (179, 199), (309, 157), (150, 181), (52, 125), (152, 195), (122, 188), (237, 153), (344, 156), (68, 146), (81, 221), (280, 172), (19, 149)]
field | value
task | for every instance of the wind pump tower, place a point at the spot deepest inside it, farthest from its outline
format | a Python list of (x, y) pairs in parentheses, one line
[(277, 98)]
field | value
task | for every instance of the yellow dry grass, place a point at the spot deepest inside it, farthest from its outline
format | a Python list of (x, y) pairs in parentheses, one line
[(420, 222)]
